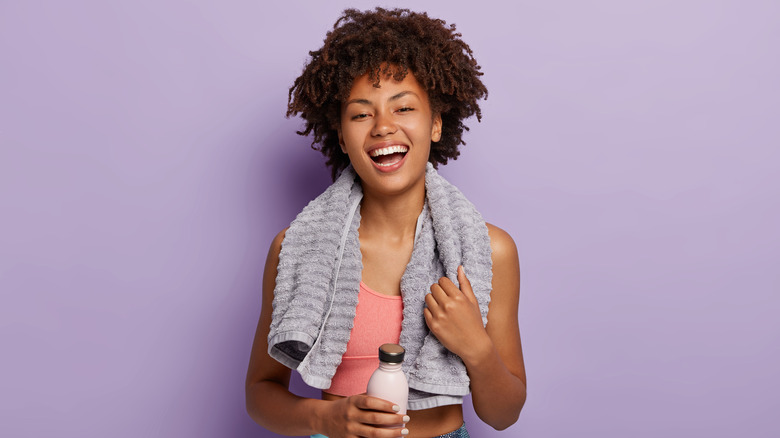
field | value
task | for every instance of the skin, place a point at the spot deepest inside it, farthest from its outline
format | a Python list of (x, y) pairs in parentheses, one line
[(399, 113)]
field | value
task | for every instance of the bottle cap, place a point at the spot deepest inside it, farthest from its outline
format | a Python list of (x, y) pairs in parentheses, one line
[(391, 353)]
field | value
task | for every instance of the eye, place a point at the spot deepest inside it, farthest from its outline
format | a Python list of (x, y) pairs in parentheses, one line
[(359, 116), (405, 109)]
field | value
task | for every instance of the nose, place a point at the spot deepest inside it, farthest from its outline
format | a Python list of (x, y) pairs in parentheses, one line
[(383, 125)]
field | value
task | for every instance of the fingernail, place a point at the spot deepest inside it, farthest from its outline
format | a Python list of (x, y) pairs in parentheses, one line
[(396, 408), (406, 418), (404, 432)]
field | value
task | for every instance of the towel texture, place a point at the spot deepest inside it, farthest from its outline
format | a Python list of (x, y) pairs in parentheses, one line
[(319, 276)]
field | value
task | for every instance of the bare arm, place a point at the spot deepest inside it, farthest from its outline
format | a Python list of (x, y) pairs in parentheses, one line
[(497, 372), (268, 401), (493, 355), (273, 406)]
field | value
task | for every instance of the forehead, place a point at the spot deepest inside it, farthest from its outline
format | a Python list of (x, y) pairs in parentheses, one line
[(363, 87)]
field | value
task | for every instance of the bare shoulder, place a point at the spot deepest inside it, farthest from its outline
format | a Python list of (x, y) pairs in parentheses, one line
[(503, 325), (276, 247), (277, 242), (506, 268), (503, 246)]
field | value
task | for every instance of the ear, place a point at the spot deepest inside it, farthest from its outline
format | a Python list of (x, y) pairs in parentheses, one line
[(436, 129)]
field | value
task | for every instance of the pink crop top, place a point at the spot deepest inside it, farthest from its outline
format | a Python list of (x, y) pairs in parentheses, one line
[(377, 321)]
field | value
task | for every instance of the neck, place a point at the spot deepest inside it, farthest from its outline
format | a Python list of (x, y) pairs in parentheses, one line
[(394, 216)]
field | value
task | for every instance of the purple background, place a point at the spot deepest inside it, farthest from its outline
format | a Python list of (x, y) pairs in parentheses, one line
[(631, 149)]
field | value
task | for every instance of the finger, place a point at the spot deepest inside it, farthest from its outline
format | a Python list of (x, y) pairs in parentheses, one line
[(381, 419), (431, 304), (428, 317), (379, 412), (448, 286), (465, 284), (383, 432), (434, 324), (367, 402), (439, 294)]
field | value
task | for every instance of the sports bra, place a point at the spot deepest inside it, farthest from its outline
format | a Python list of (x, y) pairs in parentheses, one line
[(377, 321)]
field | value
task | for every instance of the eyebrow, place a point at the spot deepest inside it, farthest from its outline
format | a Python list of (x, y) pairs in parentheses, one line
[(392, 98)]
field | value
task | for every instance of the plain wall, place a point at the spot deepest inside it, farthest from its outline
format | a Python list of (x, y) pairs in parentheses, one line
[(630, 148)]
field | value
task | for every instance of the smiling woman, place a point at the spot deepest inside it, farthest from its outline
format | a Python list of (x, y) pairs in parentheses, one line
[(381, 44), (382, 255)]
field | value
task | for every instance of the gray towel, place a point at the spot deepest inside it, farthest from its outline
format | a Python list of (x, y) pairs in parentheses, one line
[(319, 275)]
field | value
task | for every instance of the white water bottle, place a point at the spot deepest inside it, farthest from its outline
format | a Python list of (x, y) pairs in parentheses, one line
[(388, 381)]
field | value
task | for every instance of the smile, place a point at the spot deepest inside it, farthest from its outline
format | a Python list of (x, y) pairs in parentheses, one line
[(388, 156)]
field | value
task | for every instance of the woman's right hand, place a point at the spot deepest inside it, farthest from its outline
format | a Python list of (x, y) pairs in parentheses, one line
[(363, 416)]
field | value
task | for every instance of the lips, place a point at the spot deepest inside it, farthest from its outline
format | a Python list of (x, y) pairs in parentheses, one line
[(388, 157)]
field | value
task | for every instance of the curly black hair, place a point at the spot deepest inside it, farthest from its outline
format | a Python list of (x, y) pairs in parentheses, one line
[(384, 43)]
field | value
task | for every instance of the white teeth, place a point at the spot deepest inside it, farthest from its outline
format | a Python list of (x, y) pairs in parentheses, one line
[(389, 150)]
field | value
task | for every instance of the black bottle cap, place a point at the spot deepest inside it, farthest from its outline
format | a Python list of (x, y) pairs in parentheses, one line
[(391, 353)]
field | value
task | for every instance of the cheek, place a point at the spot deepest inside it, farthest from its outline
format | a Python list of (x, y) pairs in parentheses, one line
[(346, 137), (423, 130), (352, 140)]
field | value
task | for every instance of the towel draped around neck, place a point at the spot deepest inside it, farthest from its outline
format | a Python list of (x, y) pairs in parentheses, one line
[(319, 274)]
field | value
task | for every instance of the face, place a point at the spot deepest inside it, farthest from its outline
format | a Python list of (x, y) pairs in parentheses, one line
[(387, 133)]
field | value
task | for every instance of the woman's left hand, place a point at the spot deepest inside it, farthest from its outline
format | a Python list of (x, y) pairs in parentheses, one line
[(453, 316)]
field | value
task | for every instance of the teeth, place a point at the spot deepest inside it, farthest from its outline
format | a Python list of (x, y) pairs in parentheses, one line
[(389, 150)]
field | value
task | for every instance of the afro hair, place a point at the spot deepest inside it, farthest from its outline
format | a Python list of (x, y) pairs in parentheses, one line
[(384, 43)]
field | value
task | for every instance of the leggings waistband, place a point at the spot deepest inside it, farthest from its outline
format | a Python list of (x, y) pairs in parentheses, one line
[(461, 432)]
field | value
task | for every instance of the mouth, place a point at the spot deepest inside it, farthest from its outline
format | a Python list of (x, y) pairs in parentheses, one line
[(388, 156)]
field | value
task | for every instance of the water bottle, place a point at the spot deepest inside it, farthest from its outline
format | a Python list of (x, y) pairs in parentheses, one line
[(388, 382)]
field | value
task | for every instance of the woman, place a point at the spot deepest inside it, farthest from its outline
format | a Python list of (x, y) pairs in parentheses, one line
[(385, 98)]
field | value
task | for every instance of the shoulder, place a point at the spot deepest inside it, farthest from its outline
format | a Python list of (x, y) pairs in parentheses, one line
[(502, 244), (277, 242), (506, 265), (275, 249)]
